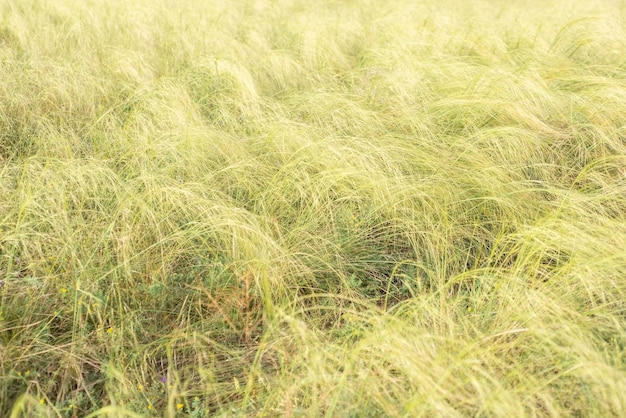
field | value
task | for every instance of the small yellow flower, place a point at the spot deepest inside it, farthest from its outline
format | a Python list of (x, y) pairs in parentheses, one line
[(110, 330), (470, 309), (64, 290), (150, 407), (140, 387), (42, 401), (179, 406)]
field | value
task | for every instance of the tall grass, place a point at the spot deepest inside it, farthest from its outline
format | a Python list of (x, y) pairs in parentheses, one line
[(294, 208)]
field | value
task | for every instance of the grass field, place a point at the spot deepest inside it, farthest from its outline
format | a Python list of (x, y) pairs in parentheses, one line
[(312, 208)]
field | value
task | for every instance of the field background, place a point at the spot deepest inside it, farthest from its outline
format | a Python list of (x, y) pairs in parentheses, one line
[(312, 208)]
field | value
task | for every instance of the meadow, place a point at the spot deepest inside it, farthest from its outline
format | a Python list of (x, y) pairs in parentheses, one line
[(312, 208)]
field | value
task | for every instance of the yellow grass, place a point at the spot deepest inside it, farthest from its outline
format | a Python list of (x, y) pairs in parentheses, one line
[(312, 208)]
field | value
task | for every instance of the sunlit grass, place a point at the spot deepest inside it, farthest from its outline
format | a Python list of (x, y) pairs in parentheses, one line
[(295, 208)]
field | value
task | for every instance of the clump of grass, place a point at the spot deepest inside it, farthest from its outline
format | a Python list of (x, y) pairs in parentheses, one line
[(295, 208)]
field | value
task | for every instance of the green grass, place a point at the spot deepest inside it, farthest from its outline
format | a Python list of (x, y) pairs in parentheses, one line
[(328, 208)]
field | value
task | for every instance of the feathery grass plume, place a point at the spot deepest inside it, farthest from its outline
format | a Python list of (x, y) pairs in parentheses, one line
[(285, 207)]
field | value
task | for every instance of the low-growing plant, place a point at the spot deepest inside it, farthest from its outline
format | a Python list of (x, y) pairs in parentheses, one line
[(295, 208)]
